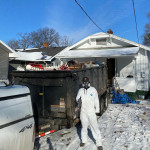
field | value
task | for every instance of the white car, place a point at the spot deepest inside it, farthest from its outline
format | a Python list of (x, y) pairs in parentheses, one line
[(17, 126)]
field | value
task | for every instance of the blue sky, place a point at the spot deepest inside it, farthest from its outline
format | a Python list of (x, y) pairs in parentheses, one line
[(65, 16)]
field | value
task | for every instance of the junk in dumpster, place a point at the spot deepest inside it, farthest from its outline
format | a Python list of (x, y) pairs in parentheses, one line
[(70, 65), (74, 65), (121, 98), (91, 64), (40, 67), (35, 67), (64, 67)]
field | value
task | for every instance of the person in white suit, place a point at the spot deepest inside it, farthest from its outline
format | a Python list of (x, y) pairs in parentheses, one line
[(89, 109)]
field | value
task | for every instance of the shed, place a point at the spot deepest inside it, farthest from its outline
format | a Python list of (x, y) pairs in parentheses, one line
[(6, 53), (126, 60)]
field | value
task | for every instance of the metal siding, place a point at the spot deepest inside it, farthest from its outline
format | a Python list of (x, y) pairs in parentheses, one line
[(4, 56), (142, 66)]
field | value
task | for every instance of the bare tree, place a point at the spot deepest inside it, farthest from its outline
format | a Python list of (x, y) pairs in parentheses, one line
[(37, 38), (64, 41), (146, 37), (44, 35), (14, 44), (22, 43), (24, 40)]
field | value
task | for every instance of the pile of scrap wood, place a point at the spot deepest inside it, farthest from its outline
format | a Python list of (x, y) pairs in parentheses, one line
[(74, 64)]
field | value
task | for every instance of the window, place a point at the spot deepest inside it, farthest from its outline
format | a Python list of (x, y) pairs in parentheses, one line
[(101, 42)]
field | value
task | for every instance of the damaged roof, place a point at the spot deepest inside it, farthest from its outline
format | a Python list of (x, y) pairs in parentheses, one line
[(50, 51)]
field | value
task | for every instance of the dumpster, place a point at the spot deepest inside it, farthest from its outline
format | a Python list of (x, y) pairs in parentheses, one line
[(53, 94)]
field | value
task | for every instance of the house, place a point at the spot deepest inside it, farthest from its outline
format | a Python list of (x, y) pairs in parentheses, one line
[(33, 55), (126, 60), (6, 53)]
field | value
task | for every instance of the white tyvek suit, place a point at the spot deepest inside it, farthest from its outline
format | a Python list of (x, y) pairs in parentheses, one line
[(90, 106)]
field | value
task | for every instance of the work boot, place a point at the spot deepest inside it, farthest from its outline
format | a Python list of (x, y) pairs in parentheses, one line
[(82, 144), (100, 148)]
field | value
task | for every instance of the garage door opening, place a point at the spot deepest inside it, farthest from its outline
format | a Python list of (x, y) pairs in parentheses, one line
[(110, 70)]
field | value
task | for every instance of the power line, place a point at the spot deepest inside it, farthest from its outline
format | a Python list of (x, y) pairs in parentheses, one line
[(135, 21), (89, 16)]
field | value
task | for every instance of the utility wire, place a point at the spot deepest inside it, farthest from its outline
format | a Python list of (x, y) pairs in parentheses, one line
[(89, 16), (135, 21)]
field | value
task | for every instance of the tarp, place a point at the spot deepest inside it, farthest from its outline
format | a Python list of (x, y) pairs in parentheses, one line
[(122, 99), (113, 52), (128, 84)]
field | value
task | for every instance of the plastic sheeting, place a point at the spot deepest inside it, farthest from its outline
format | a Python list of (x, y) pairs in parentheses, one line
[(121, 99), (127, 84), (113, 52)]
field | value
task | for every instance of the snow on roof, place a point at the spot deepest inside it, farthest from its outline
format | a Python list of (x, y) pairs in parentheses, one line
[(20, 49), (119, 38), (101, 35), (118, 52), (32, 56)]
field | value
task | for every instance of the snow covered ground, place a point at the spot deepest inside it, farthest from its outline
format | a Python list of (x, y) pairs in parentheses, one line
[(122, 126)]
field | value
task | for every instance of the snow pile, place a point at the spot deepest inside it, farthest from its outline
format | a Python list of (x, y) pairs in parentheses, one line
[(123, 127), (126, 127)]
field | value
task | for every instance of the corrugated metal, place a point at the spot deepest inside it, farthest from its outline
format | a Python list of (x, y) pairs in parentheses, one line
[(142, 70), (4, 56)]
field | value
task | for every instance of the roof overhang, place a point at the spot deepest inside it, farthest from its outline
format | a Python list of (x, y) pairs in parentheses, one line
[(118, 52)]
